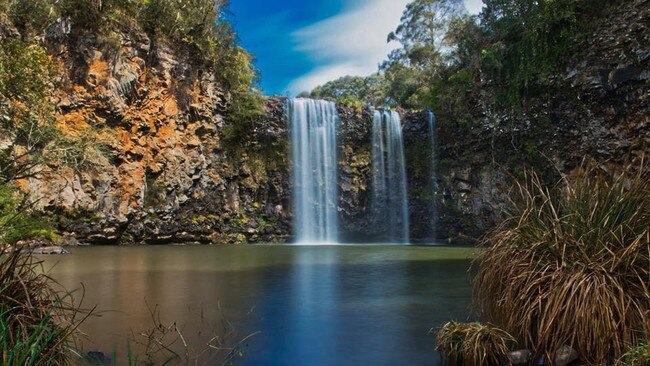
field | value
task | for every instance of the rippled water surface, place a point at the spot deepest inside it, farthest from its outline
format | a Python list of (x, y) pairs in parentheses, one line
[(313, 305)]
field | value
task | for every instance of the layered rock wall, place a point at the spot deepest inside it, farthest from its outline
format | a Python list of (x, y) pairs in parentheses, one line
[(163, 171)]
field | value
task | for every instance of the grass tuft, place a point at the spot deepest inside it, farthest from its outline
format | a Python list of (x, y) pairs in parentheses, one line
[(473, 344), (38, 320), (572, 265)]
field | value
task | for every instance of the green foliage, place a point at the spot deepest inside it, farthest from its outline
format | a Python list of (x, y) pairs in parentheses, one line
[(411, 70), (637, 356), (26, 116), (526, 43), (473, 344), (197, 24), (571, 265), (17, 223), (30, 16), (371, 89), (29, 134)]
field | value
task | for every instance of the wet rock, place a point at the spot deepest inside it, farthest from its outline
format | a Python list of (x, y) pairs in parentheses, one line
[(565, 356), (50, 250), (98, 358), (521, 357), (623, 74)]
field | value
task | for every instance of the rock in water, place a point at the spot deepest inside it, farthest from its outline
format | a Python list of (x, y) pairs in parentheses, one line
[(521, 357), (565, 356), (54, 249)]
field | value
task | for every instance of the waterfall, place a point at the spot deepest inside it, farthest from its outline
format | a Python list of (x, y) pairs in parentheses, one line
[(313, 125), (434, 177), (389, 198)]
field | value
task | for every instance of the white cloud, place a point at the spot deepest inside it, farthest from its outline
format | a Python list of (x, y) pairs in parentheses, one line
[(352, 42)]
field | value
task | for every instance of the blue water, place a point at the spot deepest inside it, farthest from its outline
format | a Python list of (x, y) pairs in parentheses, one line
[(314, 305)]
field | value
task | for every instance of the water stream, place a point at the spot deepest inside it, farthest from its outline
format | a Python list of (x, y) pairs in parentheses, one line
[(434, 177), (389, 198), (313, 125)]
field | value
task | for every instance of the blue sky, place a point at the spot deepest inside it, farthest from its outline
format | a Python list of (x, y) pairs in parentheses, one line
[(301, 44)]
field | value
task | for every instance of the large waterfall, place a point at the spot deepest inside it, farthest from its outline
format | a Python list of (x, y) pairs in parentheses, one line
[(389, 198), (313, 126), (434, 176)]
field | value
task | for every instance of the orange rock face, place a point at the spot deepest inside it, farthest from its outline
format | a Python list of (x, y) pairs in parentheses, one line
[(154, 118)]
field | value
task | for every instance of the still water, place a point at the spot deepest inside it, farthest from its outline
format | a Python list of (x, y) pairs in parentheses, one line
[(312, 305)]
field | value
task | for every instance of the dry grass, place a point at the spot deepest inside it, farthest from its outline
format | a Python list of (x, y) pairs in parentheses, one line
[(473, 344), (572, 265), (38, 319), (166, 344)]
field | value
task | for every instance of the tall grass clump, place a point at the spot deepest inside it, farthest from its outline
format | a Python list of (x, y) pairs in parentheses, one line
[(38, 320), (572, 265), (473, 344)]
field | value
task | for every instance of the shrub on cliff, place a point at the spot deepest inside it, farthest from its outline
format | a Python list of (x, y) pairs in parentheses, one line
[(572, 265), (27, 123)]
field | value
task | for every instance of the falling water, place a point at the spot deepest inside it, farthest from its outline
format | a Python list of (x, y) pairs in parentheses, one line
[(390, 202), (434, 177), (313, 125)]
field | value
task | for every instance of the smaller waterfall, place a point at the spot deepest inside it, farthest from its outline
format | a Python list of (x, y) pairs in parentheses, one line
[(313, 125), (434, 176), (389, 198)]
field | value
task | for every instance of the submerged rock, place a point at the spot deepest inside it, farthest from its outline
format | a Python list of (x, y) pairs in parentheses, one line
[(521, 357), (565, 356)]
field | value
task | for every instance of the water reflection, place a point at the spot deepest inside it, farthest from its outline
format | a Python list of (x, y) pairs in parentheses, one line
[(329, 305)]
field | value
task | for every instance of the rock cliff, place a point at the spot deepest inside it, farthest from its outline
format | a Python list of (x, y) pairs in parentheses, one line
[(598, 108), (165, 175), (168, 173)]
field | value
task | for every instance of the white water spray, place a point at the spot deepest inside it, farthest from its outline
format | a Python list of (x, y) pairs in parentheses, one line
[(390, 200), (434, 176), (313, 125)]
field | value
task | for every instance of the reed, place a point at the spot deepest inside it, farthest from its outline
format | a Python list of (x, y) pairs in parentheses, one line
[(572, 265), (38, 318)]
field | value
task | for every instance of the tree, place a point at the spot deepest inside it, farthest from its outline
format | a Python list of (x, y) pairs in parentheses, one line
[(26, 114), (422, 32), (371, 89)]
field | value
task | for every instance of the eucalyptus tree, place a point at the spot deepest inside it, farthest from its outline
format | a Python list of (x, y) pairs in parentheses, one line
[(422, 34)]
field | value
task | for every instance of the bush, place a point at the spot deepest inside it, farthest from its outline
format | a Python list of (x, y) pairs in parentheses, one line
[(571, 265), (16, 223), (473, 344)]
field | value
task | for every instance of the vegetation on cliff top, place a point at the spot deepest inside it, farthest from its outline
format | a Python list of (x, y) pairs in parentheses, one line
[(513, 49)]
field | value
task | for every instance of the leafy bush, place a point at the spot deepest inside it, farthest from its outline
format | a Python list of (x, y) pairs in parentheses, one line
[(473, 344), (16, 223), (27, 116), (571, 265)]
